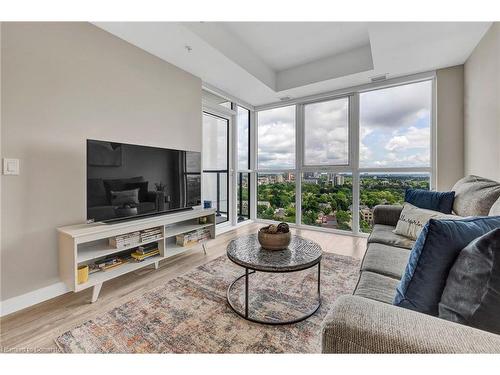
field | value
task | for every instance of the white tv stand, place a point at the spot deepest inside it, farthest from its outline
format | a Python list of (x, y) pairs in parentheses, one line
[(84, 244)]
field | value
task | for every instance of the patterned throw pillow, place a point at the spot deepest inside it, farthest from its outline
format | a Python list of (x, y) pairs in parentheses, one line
[(412, 220)]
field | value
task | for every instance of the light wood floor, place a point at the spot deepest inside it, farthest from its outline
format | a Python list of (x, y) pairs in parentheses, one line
[(36, 327)]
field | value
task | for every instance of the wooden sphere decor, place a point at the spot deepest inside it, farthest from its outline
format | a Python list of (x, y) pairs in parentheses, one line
[(274, 237)]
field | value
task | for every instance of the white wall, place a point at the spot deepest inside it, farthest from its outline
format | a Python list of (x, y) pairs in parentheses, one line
[(64, 83), (482, 107), (450, 126)]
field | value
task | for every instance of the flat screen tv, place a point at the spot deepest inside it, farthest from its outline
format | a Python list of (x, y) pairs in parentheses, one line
[(126, 181)]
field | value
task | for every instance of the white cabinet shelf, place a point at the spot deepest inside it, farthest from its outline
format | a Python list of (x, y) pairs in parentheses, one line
[(90, 251), (102, 276), (176, 229), (87, 243)]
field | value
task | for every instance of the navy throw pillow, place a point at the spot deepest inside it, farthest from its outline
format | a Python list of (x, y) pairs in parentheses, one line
[(432, 257), (431, 200)]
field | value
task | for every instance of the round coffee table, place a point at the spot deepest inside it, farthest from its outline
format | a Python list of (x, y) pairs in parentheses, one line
[(247, 253)]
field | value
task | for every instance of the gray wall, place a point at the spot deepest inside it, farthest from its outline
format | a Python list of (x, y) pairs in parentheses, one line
[(450, 126), (482, 107), (63, 83)]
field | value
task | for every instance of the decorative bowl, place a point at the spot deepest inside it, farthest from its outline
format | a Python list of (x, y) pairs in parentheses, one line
[(274, 241)]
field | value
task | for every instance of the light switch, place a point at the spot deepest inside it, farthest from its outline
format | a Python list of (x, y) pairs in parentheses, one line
[(10, 166)]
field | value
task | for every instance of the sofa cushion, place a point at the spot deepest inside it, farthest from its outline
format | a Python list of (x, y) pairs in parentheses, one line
[(432, 257), (377, 287), (412, 220), (475, 195), (384, 234), (431, 200), (386, 260), (472, 292)]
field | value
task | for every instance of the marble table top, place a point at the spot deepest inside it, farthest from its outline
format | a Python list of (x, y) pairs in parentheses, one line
[(300, 254)]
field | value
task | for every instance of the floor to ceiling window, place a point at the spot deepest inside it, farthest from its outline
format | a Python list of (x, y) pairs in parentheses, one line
[(395, 145), (326, 178), (276, 164), (340, 157), (216, 164)]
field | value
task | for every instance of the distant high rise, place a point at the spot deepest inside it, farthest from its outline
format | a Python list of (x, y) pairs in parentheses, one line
[(339, 180)]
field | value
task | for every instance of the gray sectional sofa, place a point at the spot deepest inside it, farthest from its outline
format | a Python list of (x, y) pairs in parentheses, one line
[(367, 322)]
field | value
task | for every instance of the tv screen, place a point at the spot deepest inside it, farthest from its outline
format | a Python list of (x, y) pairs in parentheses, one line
[(127, 181)]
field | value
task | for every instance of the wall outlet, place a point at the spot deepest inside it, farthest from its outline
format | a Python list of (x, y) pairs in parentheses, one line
[(10, 166)]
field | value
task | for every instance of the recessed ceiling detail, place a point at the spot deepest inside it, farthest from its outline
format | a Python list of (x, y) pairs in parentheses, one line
[(261, 62), (291, 54)]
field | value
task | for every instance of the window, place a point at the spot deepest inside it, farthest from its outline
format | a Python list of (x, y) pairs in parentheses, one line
[(326, 131), (395, 126), (215, 164), (276, 196), (276, 139), (327, 200), (394, 153)]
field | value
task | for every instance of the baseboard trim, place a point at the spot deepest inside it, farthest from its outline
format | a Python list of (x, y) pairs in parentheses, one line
[(23, 301)]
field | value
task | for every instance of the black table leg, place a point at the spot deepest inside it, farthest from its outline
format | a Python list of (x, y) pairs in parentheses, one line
[(246, 292), (319, 279)]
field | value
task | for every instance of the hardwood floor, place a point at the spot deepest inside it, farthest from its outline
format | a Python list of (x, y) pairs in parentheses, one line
[(34, 329)]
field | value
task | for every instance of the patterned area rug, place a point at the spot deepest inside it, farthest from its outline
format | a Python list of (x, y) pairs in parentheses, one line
[(190, 314)]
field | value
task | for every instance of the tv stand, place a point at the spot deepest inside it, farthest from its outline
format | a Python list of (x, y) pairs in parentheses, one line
[(85, 244)]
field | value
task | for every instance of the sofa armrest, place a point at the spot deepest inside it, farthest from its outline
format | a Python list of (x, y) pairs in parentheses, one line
[(387, 214), (360, 325)]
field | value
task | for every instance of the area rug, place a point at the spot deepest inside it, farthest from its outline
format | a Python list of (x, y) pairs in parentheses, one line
[(190, 314)]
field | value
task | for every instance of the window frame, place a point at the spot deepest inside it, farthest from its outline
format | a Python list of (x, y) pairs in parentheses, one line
[(353, 147)]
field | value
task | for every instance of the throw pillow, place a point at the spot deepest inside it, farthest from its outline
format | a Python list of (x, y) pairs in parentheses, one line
[(472, 292), (412, 220), (118, 184), (121, 198), (431, 200), (432, 257), (143, 189), (475, 195)]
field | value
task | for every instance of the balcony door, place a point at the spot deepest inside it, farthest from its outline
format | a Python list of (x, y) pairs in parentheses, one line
[(216, 164)]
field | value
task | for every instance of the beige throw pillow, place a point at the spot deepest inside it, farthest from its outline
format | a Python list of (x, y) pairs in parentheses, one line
[(413, 219)]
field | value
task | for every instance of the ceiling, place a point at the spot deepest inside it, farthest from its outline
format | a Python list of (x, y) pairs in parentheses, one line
[(261, 62)]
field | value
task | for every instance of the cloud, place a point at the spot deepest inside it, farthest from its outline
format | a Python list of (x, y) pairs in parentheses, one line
[(412, 138), (395, 126), (326, 132), (276, 138), (396, 106), (394, 130)]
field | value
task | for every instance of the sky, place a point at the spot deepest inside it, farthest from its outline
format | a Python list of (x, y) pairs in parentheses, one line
[(394, 130)]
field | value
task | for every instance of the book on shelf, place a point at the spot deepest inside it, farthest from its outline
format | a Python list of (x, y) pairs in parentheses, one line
[(124, 240), (142, 256), (147, 248), (191, 238), (107, 263)]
